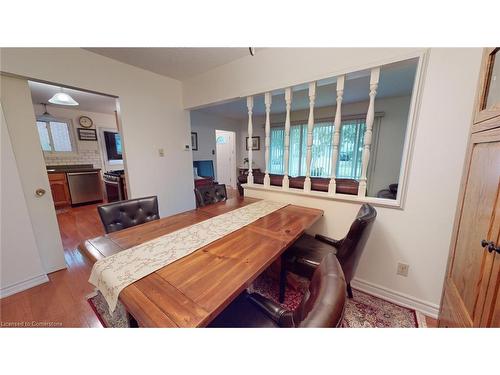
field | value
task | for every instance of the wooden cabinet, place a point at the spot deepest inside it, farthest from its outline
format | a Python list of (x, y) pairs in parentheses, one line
[(471, 289), (125, 190), (59, 189)]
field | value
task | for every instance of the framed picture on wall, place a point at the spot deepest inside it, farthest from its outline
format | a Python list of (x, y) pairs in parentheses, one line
[(87, 134), (255, 143), (194, 141)]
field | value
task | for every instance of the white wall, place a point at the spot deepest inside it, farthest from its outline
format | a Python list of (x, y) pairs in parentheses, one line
[(391, 136), (419, 234), (258, 157), (87, 152), (151, 113), (20, 264), (205, 125)]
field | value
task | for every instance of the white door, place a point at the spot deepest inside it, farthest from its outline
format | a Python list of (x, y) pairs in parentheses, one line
[(21, 267), (21, 125), (225, 142)]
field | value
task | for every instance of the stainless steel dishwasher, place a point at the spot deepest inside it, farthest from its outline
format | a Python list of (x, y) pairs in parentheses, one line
[(84, 186)]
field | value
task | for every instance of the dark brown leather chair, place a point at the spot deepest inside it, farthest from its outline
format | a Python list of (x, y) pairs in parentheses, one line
[(124, 214), (210, 194), (390, 193), (306, 254), (322, 305)]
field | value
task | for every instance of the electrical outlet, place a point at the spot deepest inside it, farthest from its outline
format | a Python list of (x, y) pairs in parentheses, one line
[(161, 152), (403, 269)]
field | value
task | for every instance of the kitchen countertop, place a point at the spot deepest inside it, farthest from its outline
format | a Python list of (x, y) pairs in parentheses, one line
[(71, 168)]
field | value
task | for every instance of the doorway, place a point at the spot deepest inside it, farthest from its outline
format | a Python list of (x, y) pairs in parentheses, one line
[(61, 175), (225, 144), (81, 146)]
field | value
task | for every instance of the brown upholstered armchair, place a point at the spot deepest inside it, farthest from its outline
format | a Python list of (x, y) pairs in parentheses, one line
[(307, 253), (322, 305), (390, 193)]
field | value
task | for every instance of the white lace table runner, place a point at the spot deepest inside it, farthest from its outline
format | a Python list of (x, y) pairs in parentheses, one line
[(112, 274)]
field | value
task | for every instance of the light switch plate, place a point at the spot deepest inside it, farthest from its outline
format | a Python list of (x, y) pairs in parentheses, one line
[(161, 152)]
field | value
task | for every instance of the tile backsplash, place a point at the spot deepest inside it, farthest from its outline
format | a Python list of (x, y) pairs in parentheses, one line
[(82, 157)]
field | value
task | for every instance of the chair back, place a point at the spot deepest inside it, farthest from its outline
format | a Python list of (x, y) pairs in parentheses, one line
[(323, 303), (210, 194), (124, 214), (349, 252)]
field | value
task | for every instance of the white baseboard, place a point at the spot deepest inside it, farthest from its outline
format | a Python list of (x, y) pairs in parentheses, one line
[(23, 285), (427, 308)]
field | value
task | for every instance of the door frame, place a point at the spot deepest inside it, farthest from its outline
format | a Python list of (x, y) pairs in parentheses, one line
[(51, 249), (233, 160)]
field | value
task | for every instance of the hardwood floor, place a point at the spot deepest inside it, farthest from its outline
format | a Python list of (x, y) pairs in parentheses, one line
[(62, 301), (231, 192), (431, 322)]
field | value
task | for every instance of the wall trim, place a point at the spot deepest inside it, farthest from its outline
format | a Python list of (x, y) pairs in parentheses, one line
[(23, 285), (425, 307), (378, 202)]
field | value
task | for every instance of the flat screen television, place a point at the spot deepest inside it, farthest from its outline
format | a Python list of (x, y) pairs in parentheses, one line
[(113, 145), (205, 168)]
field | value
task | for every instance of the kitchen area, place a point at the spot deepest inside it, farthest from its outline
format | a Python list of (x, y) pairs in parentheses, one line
[(81, 144)]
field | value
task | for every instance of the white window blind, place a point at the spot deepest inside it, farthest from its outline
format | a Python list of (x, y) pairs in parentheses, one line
[(276, 150), (350, 149)]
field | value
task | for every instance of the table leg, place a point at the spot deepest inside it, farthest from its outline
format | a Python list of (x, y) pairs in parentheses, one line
[(282, 279)]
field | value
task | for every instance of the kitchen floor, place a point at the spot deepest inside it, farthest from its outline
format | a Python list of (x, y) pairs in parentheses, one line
[(78, 223)]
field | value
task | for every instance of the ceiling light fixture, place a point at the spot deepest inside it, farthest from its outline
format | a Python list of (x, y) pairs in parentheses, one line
[(62, 98), (46, 116)]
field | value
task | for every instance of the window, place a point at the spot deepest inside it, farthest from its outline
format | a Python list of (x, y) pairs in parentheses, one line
[(55, 136), (350, 149)]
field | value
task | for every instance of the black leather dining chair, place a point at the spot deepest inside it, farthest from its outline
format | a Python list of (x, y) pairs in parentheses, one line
[(124, 214), (210, 194), (322, 305), (306, 254)]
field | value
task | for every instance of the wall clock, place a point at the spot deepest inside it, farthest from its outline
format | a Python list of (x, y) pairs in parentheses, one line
[(85, 121)]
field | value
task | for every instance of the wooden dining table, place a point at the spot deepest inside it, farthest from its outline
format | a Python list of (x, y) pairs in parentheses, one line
[(193, 290)]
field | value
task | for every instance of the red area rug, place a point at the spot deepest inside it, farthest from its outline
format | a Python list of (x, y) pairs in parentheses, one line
[(363, 311)]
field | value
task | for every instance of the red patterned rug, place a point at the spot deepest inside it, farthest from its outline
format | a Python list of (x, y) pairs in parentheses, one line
[(363, 311)]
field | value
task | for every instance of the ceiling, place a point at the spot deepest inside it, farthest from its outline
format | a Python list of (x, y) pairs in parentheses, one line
[(177, 63), (395, 80), (42, 92)]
